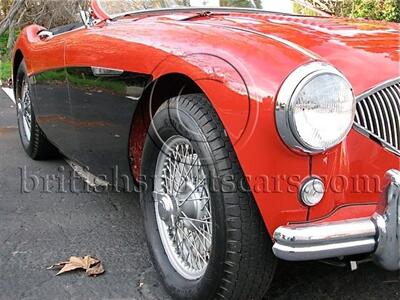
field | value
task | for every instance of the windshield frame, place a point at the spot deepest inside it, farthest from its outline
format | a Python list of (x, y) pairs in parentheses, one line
[(198, 10), (102, 14)]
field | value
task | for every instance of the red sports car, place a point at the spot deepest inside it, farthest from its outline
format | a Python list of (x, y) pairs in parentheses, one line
[(253, 135)]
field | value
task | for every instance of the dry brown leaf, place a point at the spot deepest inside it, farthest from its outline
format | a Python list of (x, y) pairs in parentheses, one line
[(69, 267), (85, 263), (57, 265), (95, 270)]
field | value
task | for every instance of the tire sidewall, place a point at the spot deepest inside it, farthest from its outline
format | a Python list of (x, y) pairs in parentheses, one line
[(21, 75), (167, 122)]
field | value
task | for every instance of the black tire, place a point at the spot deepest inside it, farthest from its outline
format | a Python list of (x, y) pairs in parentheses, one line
[(241, 264), (37, 146)]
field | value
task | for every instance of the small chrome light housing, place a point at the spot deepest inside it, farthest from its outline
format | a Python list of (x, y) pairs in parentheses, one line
[(312, 191), (315, 108)]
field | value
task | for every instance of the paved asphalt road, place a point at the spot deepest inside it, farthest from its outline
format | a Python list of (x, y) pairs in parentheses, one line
[(38, 229)]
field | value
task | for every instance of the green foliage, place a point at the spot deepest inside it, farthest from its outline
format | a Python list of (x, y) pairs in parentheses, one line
[(384, 10), (302, 10), (3, 44), (92, 82), (5, 65), (236, 3), (5, 70)]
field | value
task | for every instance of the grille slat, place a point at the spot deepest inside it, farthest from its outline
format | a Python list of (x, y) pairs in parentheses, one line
[(378, 114), (395, 107), (357, 119), (370, 125), (379, 118), (386, 116), (375, 120), (363, 121)]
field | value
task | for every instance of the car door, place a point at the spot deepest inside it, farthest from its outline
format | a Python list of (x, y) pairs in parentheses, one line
[(51, 102), (103, 100)]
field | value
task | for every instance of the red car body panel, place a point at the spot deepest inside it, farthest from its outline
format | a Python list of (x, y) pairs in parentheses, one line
[(240, 60), (355, 47)]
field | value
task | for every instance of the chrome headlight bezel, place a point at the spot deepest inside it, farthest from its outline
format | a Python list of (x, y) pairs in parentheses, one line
[(288, 93)]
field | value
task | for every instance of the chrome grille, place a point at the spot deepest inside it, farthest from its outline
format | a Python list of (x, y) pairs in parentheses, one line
[(378, 114)]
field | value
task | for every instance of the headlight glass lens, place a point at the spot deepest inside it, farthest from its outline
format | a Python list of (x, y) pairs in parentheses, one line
[(322, 111)]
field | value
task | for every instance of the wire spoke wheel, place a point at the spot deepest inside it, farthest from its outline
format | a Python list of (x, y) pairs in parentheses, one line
[(24, 109), (207, 240), (183, 208), (33, 139)]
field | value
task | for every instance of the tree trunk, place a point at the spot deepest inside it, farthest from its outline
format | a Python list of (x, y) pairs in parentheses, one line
[(11, 30), (8, 20), (310, 4)]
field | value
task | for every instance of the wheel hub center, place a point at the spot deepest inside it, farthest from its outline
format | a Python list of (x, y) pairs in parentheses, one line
[(167, 208), (189, 199)]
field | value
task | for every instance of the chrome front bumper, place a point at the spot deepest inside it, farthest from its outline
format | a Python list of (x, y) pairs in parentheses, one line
[(379, 235)]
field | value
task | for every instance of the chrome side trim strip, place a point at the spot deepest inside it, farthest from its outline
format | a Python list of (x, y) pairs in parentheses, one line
[(105, 72)]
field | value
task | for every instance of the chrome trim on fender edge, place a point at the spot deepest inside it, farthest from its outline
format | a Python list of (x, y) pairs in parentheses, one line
[(370, 135), (378, 235), (377, 88)]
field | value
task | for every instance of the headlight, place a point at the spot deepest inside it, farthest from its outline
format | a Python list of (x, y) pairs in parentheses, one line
[(315, 108)]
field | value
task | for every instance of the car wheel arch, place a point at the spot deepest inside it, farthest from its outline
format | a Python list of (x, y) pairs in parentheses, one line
[(209, 74), (17, 60), (156, 93)]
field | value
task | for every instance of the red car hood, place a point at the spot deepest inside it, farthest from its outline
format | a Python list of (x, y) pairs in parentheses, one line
[(358, 48)]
